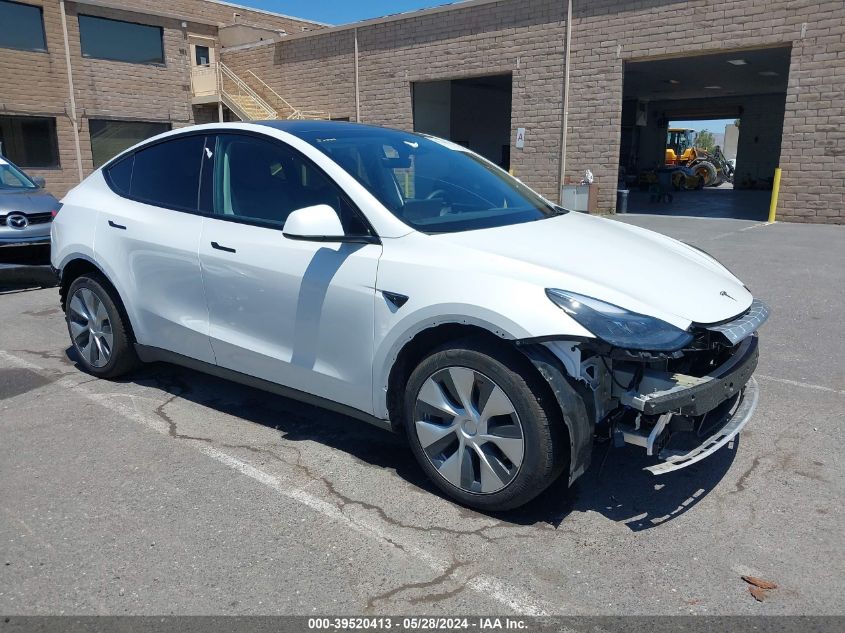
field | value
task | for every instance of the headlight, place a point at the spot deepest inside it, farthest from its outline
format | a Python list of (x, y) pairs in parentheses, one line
[(618, 326)]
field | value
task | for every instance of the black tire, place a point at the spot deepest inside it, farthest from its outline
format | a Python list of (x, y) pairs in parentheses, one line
[(546, 447), (707, 171), (123, 358)]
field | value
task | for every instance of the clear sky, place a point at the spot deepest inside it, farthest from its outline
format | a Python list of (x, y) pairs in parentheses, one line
[(339, 11), (717, 126)]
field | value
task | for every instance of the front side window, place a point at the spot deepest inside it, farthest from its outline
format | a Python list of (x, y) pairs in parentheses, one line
[(264, 181), (167, 174), (431, 185), (121, 41), (13, 178), (21, 26), (29, 141), (110, 138)]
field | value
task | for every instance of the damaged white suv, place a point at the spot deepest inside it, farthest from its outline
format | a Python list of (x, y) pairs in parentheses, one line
[(406, 281)]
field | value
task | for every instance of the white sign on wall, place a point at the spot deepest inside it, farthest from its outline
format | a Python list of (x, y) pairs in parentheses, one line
[(520, 137)]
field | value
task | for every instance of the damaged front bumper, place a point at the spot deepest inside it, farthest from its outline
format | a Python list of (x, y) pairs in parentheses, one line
[(682, 419), (733, 421), (680, 406)]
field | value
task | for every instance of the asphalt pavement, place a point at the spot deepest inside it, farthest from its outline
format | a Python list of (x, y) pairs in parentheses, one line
[(172, 492)]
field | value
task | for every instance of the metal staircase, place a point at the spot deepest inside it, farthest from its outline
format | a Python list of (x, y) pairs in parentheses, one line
[(217, 82), (283, 107)]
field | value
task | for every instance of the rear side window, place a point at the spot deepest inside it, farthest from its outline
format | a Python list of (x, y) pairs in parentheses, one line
[(119, 175), (168, 173)]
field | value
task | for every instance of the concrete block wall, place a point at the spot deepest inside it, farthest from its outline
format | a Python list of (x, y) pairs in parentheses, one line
[(523, 38), (608, 32), (813, 147), (223, 13), (35, 83), (312, 73)]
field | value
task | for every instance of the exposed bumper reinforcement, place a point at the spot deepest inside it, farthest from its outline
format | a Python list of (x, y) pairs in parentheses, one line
[(736, 419), (689, 395)]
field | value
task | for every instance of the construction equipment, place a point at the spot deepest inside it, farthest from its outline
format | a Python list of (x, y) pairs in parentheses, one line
[(712, 168)]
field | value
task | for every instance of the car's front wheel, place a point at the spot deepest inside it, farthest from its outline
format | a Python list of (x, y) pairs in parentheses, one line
[(97, 328), (481, 426)]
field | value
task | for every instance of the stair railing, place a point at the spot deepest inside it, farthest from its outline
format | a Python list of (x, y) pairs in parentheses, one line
[(224, 74)]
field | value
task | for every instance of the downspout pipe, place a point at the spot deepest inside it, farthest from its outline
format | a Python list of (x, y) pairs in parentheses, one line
[(73, 117), (565, 118), (357, 88)]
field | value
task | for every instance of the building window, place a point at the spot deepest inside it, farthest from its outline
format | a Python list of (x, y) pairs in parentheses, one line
[(120, 41), (201, 57), (109, 138), (21, 27), (29, 141)]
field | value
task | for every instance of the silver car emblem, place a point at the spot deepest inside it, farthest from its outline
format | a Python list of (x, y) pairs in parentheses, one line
[(725, 294), (17, 221)]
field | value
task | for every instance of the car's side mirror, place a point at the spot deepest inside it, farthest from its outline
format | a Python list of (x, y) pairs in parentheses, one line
[(319, 223), (38, 180)]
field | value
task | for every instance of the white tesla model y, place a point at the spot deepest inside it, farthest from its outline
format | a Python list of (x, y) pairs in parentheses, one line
[(407, 281)]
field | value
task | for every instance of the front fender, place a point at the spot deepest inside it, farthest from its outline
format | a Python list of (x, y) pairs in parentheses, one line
[(571, 406), (388, 349)]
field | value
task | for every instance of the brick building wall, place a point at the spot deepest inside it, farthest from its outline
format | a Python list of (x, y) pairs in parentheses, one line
[(609, 32), (524, 38), (314, 72), (527, 38), (35, 83)]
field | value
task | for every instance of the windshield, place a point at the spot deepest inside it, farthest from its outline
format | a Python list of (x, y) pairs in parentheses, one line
[(432, 185), (13, 178)]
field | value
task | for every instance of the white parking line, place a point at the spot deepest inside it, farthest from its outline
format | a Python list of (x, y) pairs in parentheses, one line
[(509, 596), (805, 385)]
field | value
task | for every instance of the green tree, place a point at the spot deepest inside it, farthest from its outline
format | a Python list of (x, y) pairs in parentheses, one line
[(705, 140)]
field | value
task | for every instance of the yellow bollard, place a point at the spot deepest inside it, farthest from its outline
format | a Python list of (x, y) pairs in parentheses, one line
[(773, 207)]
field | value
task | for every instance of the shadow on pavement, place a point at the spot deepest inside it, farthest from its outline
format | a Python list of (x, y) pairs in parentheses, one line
[(16, 278), (615, 484), (718, 202)]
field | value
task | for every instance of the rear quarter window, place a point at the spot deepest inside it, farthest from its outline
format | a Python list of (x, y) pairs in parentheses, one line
[(119, 175)]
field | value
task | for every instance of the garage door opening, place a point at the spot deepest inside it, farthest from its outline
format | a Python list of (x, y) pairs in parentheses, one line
[(701, 135), (473, 112)]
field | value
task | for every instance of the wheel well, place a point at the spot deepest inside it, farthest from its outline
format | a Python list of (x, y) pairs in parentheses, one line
[(429, 339), (73, 270), (70, 273)]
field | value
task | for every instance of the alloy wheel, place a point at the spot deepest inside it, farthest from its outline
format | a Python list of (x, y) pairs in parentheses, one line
[(90, 327), (469, 430)]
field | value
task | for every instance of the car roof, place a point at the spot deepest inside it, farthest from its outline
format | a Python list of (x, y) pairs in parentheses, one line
[(303, 126)]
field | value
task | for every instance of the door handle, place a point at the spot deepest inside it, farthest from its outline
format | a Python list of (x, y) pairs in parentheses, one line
[(114, 225), (222, 248)]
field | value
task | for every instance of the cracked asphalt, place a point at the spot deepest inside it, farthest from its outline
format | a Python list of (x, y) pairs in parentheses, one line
[(176, 492)]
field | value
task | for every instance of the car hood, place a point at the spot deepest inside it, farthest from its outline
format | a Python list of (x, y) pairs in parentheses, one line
[(26, 201), (625, 265)]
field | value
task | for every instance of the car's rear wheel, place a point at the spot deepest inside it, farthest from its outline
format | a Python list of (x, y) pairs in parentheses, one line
[(478, 424), (97, 328)]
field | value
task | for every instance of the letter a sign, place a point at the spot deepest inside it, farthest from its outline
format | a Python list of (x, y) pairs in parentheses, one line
[(520, 137)]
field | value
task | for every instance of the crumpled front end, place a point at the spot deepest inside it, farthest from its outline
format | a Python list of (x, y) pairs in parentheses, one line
[(679, 407)]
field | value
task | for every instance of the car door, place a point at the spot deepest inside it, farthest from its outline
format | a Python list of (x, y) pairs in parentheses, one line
[(148, 238), (295, 312)]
